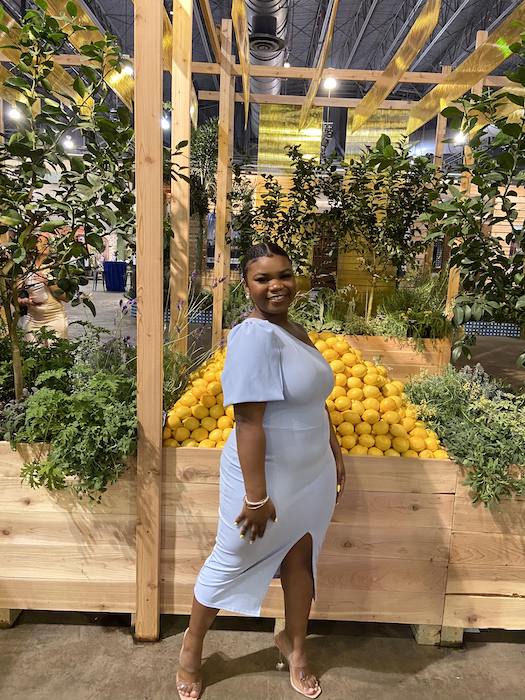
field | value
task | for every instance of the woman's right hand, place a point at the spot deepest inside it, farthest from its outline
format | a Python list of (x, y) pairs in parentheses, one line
[(254, 521)]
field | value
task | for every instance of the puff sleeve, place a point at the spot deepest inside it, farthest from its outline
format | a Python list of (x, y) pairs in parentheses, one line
[(252, 370)]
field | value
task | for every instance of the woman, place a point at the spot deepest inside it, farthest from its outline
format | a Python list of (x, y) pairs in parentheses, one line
[(43, 306), (281, 474)]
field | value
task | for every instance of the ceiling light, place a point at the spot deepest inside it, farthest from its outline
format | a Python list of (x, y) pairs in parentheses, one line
[(68, 143), (15, 114), (330, 83), (287, 64), (127, 69), (165, 123), (460, 138)]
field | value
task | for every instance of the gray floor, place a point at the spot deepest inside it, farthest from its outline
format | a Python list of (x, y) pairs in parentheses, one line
[(81, 657)]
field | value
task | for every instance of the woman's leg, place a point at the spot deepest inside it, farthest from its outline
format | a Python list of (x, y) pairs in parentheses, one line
[(191, 654), (298, 585)]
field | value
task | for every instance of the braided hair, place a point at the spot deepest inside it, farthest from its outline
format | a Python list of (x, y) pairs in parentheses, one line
[(261, 250)]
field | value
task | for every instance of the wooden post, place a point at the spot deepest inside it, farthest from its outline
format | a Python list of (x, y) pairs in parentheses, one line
[(223, 166), (227, 246), (180, 189), (148, 148), (453, 278), (8, 617)]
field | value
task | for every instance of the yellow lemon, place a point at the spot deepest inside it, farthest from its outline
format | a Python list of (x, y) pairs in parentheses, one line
[(380, 428), (399, 385), (401, 444), (359, 450), (220, 398), (226, 433), (419, 432), (208, 400), (390, 389), (402, 412), (220, 444), (343, 403), (189, 443), (411, 412), (330, 405), (398, 400), (170, 442), (181, 411), (355, 394), (337, 391), (383, 442), (331, 341), (431, 444), (340, 379), (200, 383), (313, 335), (426, 454), (371, 403), (371, 379), (198, 391), (420, 424), (337, 366), (391, 417), (188, 399), (344, 451), (349, 359), (432, 434), (370, 416), (359, 370), (341, 346), (336, 417), (363, 429), (366, 440), (216, 411), (440, 454), (326, 334), (199, 411), (207, 443), (354, 383), (216, 435), (416, 443), (409, 453), (357, 407), (199, 434), (380, 369), (224, 422), (330, 355), (208, 376), (345, 428), (408, 424), (397, 430), (391, 453), (348, 441), (209, 423), (173, 420), (214, 388), (387, 405), (371, 392), (352, 417), (375, 452), (181, 434), (166, 433), (230, 411), (190, 423), (321, 346)]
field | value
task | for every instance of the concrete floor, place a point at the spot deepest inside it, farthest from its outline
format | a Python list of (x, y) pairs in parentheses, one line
[(53, 656)]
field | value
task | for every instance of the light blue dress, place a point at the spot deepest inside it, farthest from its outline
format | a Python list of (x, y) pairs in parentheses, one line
[(266, 363)]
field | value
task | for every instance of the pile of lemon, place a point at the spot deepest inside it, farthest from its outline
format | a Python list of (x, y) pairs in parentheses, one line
[(369, 412)]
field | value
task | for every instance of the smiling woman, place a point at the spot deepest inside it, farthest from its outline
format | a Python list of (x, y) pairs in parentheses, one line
[(277, 489)]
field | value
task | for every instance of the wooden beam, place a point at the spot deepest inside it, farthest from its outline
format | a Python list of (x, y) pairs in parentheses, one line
[(240, 24), (223, 166), (314, 84), (465, 183), (207, 15), (149, 211), (413, 42), (180, 189), (261, 98)]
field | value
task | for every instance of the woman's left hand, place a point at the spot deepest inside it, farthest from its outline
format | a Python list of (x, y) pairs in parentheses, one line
[(341, 476)]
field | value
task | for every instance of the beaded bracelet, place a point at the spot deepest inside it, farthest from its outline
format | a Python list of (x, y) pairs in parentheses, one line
[(254, 505)]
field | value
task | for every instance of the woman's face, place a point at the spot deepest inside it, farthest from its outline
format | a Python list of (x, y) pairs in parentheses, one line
[(271, 284)]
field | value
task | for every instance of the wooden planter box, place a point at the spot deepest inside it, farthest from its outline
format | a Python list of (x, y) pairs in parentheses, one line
[(405, 544), (402, 358)]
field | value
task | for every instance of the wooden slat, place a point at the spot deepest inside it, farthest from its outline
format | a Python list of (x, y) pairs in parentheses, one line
[(441, 128), (211, 29), (486, 580), (508, 517), (484, 612), (81, 562), (223, 179), (240, 24), (33, 594), (487, 549), (180, 188), (149, 212), (264, 99)]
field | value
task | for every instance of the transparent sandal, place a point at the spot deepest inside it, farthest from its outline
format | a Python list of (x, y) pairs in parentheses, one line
[(185, 686), (296, 671)]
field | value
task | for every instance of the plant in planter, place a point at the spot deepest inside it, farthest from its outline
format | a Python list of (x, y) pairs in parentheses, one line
[(492, 281), (93, 191)]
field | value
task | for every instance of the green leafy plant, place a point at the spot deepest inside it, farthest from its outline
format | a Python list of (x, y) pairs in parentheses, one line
[(492, 280), (482, 425), (236, 305), (324, 309)]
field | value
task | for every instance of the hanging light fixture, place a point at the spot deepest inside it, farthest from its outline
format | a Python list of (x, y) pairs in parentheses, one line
[(15, 114), (165, 123), (330, 83), (460, 138)]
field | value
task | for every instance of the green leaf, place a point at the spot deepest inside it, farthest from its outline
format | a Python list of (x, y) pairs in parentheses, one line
[(77, 164), (513, 130), (79, 87), (452, 113), (520, 304), (87, 302), (42, 4), (71, 9), (458, 315), (19, 255), (505, 160), (10, 218)]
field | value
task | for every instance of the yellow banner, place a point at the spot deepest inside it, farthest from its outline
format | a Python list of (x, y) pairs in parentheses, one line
[(392, 122), (473, 69), (279, 127), (400, 63)]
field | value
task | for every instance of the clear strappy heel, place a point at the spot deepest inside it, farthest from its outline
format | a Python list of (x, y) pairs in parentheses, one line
[(184, 686), (296, 671)]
